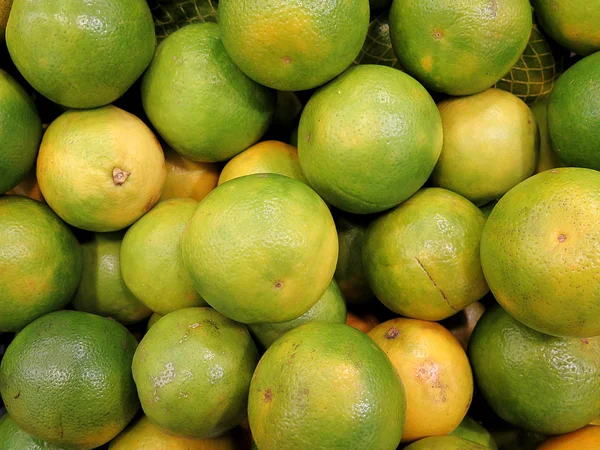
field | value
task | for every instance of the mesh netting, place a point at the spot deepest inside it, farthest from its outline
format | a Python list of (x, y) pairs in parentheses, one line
[(171, 15), (377, 48)]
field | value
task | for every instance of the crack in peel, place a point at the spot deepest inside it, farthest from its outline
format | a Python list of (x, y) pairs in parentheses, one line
[(436, 286)]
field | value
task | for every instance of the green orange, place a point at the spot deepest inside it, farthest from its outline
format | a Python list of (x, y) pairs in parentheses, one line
[(152, 259), (369, 139), (13, 438), (81, 54), (459, 47), (66, 379), (445, 443), (40, 262), (547, 159), (293, 45), (192, 371), (329, 385), (199, 101), (539, 252), (20, 132), (471, 430), (535, 381)]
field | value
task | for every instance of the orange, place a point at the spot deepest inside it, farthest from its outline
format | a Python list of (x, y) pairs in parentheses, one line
[(583, 439), (188, 179), (362, 322)]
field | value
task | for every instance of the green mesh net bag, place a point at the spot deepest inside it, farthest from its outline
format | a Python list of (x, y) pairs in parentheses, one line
[(377, 48), (171, 15)]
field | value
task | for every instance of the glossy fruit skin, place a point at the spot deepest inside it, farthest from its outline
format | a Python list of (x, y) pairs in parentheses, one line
[(357, 403), (100, 169), (539, 252), (574, 113), (79, 54), (422, 258), (471, 430), (445, 443), (40, 262), (152, 259), (573, 24), (586, 437), (12, 437), (293, 45), (330, 308), (192, 371), (369, 139), (187, 178), (535, 381), (547, 159), (20, 132), (459, 47), (102, 290), (199, 101), (66, 379), (261, 248)]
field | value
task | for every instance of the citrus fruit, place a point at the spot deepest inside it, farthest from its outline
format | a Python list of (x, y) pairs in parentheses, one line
[(20, 132), (377, 48), (422, 258), (587, 437), (100, 169), (490, 145), (362, 322), (153, 319), (13, 438), (171, 15), (445, 443), (66, 379), (435, 372), (472, 431), (488, 208), (152, 261), (349, 272), (264, 157), (539, 252), (202, 105), (144, 435), (187, 178), (573, 24), (547, 159), (4, 13), (462, 324), (102, 290), (29, 187), (261, 248), (329, 308), (459, 47), (357, 402), (192, 371), (293, 45), (40, 262), (369, 139), (79, 54), (535, 381), (574, 113)]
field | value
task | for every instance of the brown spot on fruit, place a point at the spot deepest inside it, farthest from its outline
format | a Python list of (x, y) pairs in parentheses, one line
[(584, 341), (18, 395), (562, 238), (438, 34), (554, 171), (286, 59), (119, 176), (307, 137), (278, 284), (268, 395), (392, 333)]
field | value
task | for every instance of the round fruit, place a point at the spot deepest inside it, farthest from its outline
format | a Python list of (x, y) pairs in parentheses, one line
[(474, 432), (573, 24), (102, 290), (330, 308), (192, 371), (377, 48), (261, 248), (66, 379), (540, 255), (349, 272), (144, 435), (152, 320), (460, 47), (327, 384), (20, 132), (587, 437), (79, 54), (29, 187), (171, 15), (574, 114), (100, 169), (537, 382), (199, 101), (445, 443), (490, 145), (293, 45), (152, 260), (4, 13), (370, 139), (435, 372), (13, 438), (188, 179), (40, 262), (547, 159), (362, 322), (422, 258), (264, 157)]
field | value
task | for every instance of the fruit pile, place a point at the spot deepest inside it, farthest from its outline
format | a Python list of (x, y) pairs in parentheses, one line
[(299, 224)]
